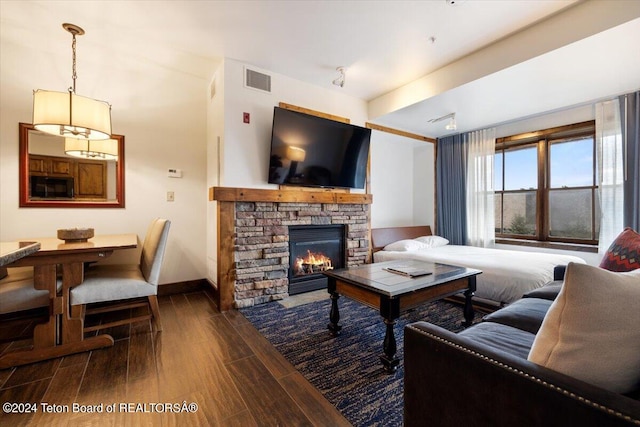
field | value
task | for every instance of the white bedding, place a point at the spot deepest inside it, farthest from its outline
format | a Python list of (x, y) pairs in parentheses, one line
[(506, 275)]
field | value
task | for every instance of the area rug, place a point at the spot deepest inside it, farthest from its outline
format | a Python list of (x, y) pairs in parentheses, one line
[(346, 369)]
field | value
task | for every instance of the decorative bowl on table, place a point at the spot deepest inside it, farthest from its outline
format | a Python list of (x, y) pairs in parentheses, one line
[(70, 235)]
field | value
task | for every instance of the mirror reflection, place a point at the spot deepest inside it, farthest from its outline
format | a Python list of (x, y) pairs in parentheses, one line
[(70, 173)]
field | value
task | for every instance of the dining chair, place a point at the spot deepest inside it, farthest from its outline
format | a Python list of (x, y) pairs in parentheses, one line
[(17, 292), (125, 286)]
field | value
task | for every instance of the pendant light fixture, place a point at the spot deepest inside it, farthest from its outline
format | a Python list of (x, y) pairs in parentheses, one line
[(67, 114), (98, 149)]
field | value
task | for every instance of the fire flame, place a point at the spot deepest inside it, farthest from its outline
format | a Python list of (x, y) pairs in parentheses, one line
[(312, 263)]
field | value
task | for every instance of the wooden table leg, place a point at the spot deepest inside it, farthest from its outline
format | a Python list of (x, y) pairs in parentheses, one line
[(388, 358), (46, 344), (468, 305), (44, 278), (72, 328), (334, 315)]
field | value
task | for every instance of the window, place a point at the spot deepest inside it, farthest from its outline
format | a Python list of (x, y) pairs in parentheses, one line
[(545, 185)]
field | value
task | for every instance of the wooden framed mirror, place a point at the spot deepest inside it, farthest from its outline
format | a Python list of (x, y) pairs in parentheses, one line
[(49, 178)]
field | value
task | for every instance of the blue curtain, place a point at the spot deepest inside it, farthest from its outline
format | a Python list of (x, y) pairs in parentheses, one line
[(630, 118), (451, 170)]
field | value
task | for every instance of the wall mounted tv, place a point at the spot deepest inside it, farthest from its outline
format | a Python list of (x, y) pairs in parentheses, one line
[(316, 152)]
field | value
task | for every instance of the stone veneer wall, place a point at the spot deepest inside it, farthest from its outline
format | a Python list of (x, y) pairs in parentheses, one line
[(261, 258)]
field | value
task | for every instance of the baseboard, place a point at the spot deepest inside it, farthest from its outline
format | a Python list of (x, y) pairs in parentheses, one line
[(183, 287)]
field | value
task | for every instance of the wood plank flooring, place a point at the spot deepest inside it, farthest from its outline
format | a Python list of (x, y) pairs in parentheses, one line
[(217, 360)]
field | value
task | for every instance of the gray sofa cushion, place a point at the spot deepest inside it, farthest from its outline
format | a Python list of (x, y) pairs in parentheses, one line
[(501, 337), (526, 314), (549, 291)]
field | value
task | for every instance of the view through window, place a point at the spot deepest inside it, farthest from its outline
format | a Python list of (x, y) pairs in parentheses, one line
[(545, 185)]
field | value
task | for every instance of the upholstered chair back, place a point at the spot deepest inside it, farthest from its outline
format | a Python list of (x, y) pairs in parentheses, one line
[(153, 249)]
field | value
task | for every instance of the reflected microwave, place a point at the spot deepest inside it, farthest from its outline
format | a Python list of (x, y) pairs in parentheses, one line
[(50, 187)]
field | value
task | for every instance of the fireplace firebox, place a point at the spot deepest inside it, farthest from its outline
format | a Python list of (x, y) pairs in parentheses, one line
[(314, 249)]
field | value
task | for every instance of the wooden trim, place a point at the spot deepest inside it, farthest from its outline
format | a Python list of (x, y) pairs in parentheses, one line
[(544, 132), (548, 245), (399, 132), (230, 194), (313, 112), (226, 272), (285, 187)]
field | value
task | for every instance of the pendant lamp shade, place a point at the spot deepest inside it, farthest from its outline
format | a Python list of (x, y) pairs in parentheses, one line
[(103, 149), (71, 115), (68, 114)]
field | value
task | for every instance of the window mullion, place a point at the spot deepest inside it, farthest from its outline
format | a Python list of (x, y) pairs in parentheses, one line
[(542, 193)]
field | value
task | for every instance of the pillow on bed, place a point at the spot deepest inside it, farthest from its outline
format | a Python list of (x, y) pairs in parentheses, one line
[(591, 330), (405, 245), (433, 241)]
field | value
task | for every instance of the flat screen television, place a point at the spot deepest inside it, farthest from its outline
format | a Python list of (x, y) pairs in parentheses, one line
[(317, 152)]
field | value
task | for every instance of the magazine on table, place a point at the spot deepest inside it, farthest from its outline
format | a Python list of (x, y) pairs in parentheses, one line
[(408, 271)]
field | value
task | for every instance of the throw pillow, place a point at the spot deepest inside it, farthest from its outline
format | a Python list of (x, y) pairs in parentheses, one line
[(591, 330), (624, 252), (433, 241), (405, 245)]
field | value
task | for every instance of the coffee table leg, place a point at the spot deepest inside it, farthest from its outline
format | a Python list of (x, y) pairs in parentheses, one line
[(468, 306), (389, 359), (334, 315)]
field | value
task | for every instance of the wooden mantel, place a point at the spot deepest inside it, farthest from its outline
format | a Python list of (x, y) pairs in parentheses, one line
[(230, 194)]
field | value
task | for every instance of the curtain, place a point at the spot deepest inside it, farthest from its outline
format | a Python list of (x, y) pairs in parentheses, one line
[(450, 189), (609, 156), (630, 112), (480, 196)]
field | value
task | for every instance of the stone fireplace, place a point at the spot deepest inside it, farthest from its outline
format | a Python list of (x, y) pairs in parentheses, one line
[(254, 226)]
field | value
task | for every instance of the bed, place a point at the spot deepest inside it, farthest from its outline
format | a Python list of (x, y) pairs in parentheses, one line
[(506, 275)]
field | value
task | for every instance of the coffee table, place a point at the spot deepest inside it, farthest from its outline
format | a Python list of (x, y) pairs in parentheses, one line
[(393, 294)]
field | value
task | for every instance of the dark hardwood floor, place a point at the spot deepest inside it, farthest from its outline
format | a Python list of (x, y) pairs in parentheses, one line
[(215, 360)]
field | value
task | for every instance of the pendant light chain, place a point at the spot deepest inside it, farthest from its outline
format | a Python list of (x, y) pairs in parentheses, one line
[(74, 76)]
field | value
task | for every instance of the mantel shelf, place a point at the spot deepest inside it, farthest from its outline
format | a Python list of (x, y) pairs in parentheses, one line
[(230, 194)]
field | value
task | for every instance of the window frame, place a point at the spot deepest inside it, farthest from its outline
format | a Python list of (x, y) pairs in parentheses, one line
[(543, 140)]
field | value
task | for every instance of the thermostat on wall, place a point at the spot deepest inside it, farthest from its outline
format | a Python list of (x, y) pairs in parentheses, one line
[(175, 173)]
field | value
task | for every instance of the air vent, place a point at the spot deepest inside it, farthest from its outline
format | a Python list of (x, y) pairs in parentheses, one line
[(256, 80)]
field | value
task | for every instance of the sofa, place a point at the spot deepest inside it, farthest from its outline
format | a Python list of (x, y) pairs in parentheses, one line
[(488, 374)]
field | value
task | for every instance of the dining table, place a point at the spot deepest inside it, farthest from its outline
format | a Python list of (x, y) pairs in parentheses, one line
[(55, 259)]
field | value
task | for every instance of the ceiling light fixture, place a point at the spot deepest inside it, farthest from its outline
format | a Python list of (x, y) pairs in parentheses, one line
[(452, 121), (101, 149), (68, 114), (339, 81)]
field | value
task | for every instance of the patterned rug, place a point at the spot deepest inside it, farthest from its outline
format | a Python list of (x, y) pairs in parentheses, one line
[(347, 369)]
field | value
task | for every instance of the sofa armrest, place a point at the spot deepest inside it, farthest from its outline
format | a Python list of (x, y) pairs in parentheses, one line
[(451, 380), (558, 272)]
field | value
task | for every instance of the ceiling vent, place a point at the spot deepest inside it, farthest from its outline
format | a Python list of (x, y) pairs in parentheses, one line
[(256, 80)]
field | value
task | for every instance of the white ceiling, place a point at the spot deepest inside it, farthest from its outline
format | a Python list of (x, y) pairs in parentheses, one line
[(383, 44)]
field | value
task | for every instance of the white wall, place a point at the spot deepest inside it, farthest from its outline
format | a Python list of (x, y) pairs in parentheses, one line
[(246, 146), (164, 127), (402, 181), (424, 193), (215, 133)]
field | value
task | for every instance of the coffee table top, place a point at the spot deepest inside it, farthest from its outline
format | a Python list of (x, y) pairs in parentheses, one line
[(375, 277)]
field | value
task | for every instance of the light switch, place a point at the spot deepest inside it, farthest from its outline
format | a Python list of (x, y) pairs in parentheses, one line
[(170, 196)]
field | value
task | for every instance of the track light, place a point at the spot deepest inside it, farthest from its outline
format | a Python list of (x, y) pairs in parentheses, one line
[(452, 121), (339, 81)]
